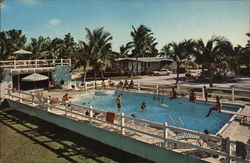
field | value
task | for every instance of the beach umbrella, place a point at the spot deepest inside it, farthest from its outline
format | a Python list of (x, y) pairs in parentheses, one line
[(35, 77), (22, 52)]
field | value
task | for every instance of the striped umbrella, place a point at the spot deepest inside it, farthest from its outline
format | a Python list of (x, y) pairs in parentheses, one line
[(35, 77)]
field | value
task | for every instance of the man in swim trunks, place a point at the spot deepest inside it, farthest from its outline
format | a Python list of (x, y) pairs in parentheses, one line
[(192, 96), (173, 94), (217, 107), (118, 103), (205, 93)]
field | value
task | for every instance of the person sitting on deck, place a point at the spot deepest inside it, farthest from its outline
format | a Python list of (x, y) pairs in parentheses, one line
[(173, 94), (125, 85), (120, 84), (51, 84), (110, 83), (53, 101), (65, 98), (192, 96), (217, 107), (131, 84)]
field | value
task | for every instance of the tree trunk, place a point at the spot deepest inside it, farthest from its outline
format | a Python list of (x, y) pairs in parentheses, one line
[(85, 73), (177, 74), (102, 75), (95, 75), (210, 76)]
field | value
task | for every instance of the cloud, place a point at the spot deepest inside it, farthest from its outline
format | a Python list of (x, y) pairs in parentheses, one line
[(29, 1), (55, 22)]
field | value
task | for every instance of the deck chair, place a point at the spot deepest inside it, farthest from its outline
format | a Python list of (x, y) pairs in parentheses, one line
[(195, 139)]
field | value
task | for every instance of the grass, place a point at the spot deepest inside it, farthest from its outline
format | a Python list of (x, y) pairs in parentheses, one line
[(26, 139)]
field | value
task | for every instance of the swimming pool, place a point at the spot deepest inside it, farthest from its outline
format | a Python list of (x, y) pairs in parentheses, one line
[(179, 112)]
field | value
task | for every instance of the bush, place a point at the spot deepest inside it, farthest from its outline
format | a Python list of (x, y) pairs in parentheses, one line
[(244, 71)]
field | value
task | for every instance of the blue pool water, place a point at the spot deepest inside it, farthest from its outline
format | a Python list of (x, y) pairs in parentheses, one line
[(193, 115)]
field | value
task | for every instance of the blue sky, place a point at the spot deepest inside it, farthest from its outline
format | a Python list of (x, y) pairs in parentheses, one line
[(169, 20)]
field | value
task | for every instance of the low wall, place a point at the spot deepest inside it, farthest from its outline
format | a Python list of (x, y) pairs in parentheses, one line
[(124, 143)]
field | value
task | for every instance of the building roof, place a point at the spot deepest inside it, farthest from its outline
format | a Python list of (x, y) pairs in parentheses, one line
[(146, 59)]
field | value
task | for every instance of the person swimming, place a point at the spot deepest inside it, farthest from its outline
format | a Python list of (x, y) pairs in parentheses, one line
[(143, 106)]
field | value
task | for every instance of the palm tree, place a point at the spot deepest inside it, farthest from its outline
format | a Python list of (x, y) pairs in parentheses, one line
[(39, 47), (96, 51), (205, 54), (124, 50), (11, 41), (143, 44), (178, 52)]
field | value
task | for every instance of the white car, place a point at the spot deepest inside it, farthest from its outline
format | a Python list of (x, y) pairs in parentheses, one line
[(161, 72)]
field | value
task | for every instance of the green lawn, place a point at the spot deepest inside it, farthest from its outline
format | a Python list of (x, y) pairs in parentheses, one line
[(26, 139)]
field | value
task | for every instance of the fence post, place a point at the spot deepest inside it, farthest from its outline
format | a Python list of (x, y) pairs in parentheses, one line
[(10, 94), (165, 134), (232, 93), (178, 87), (85, 86), (122, 123), (203, 92), (14, 64), (228, 149), (53, 62), (157, 88), (139, 85), (33, 98), (36, 63), (61, 62), (20, 97), (90, 114), (93, 85), (69, 62), (48, 101)]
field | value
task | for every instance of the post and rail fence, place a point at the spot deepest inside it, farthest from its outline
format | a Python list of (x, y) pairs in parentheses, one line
[(37, 63), (232, 94), (162, 135)]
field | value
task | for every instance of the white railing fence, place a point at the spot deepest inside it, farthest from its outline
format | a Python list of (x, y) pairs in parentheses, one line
[(162, 135), (37, 63), (232, 94)]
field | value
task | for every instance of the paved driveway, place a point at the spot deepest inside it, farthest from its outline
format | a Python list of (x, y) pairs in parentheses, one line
[(244, 82)]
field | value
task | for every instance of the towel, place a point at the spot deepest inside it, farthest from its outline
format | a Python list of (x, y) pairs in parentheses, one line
[(110, 117), (241, 149)]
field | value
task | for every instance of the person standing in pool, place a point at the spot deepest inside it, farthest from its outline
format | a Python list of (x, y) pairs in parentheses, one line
[(173, 94), (143, 106), (119, 103), (192, 96), (217, 107), (205, 93)]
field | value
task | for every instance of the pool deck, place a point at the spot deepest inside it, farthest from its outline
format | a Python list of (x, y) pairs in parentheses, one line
[(236, 130)]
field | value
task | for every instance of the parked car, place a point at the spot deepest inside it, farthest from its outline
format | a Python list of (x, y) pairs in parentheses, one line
[(161, 72)]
